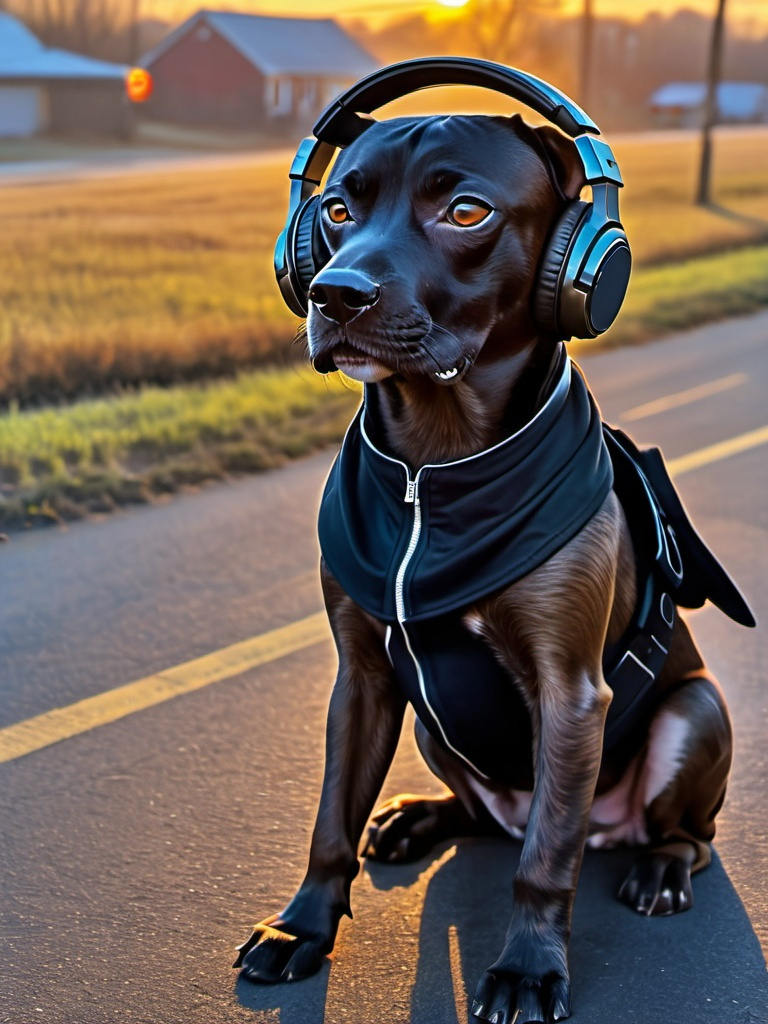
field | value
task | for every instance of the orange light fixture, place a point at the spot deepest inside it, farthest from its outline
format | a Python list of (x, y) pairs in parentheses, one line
[(138, 85)]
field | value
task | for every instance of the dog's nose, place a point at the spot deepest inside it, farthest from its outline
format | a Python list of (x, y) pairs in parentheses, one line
[(341, 295)]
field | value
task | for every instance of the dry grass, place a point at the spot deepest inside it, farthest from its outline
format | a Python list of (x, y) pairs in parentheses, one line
[(107, 285), (662, 223), (111, 283)]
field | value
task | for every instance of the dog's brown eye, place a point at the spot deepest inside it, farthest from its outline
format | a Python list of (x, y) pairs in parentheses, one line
[(337, 213), (466, 214)]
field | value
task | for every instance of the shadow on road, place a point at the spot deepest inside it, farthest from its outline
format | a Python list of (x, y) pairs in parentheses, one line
[(302, 1002), (704, 965), (701, 966)]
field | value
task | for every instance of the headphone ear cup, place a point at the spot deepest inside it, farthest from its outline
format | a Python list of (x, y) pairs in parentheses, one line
[(301, 250), (608, 267), (546, 299)]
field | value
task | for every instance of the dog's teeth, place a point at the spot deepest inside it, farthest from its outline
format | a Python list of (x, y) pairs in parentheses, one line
[(447, 374)]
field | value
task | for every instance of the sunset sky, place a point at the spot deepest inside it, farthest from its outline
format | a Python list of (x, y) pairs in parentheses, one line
[(376, 10)]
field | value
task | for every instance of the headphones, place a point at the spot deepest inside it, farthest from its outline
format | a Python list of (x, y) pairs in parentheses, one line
[(584, 271)]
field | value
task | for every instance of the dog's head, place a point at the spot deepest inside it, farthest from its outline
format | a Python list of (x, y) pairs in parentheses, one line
[(435, 229)]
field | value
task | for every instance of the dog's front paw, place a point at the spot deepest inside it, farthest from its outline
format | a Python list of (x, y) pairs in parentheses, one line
[(505, 997), (273, 954), (293, 944), (658, 885)]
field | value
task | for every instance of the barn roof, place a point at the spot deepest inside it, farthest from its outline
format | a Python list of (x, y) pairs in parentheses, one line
[(23, 57), (304, 47)]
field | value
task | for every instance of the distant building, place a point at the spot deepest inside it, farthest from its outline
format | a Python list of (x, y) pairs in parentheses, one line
[(53, 90), (681, 104), (248, 71)]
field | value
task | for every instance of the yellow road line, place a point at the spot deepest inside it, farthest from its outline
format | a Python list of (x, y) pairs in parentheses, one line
[(457, 974), (674, 401), (716, 452), (62, 723)]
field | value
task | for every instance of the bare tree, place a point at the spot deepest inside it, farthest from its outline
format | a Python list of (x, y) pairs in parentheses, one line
[(99, 28), (499, 27), (704, 190)]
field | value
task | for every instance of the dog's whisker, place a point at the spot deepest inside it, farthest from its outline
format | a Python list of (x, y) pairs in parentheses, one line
[(301, 336)]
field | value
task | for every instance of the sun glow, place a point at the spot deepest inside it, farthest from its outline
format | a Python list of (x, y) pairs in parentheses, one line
[(443, 10), (377, 11)]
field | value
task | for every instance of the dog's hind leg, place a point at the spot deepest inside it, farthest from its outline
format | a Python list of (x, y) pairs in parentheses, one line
[(682, 787), (406, 827)]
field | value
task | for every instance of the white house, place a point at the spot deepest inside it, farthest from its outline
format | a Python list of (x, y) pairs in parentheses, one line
[(681, 104), (45, 89)]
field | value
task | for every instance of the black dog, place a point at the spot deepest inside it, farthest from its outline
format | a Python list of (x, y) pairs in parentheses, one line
[(434, 230)]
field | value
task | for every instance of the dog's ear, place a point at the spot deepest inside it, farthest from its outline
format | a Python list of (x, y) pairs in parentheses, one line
[(559, 153)]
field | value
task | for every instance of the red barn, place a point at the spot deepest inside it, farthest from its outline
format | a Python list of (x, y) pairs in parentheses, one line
[(249, 71)]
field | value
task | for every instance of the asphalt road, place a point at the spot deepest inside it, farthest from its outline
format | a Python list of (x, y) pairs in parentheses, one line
[(127, 162), (136, 854)]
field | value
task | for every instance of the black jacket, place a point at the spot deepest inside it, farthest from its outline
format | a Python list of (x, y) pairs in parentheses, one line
[(416, 549)]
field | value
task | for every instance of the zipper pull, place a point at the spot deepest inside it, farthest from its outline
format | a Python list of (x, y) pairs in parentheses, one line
[(410, 492)]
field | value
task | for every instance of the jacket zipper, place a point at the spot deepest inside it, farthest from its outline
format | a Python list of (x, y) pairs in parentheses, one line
[(411, 498)]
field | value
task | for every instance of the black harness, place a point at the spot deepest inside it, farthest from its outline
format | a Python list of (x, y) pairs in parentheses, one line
[(417, 549)]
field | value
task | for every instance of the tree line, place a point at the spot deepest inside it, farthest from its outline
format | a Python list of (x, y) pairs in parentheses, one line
[(106, 29), (629, 60)]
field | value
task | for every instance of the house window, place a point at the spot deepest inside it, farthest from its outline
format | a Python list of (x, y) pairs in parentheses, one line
[(277, 96), (307, 101)]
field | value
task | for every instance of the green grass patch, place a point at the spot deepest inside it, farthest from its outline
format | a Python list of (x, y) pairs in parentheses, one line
[(62, 463)]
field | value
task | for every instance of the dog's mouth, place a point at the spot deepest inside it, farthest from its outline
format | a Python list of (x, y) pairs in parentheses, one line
[(413, 361), (352, 362)]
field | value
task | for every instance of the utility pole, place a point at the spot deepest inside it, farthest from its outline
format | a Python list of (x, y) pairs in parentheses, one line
[(585, 68), (704, 191), (133, 32)]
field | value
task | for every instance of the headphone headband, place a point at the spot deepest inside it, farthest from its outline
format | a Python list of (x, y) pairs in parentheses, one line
[(349, 116), (340, 124)]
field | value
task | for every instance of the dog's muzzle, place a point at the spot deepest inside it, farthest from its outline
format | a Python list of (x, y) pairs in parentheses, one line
[(341, 295)]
